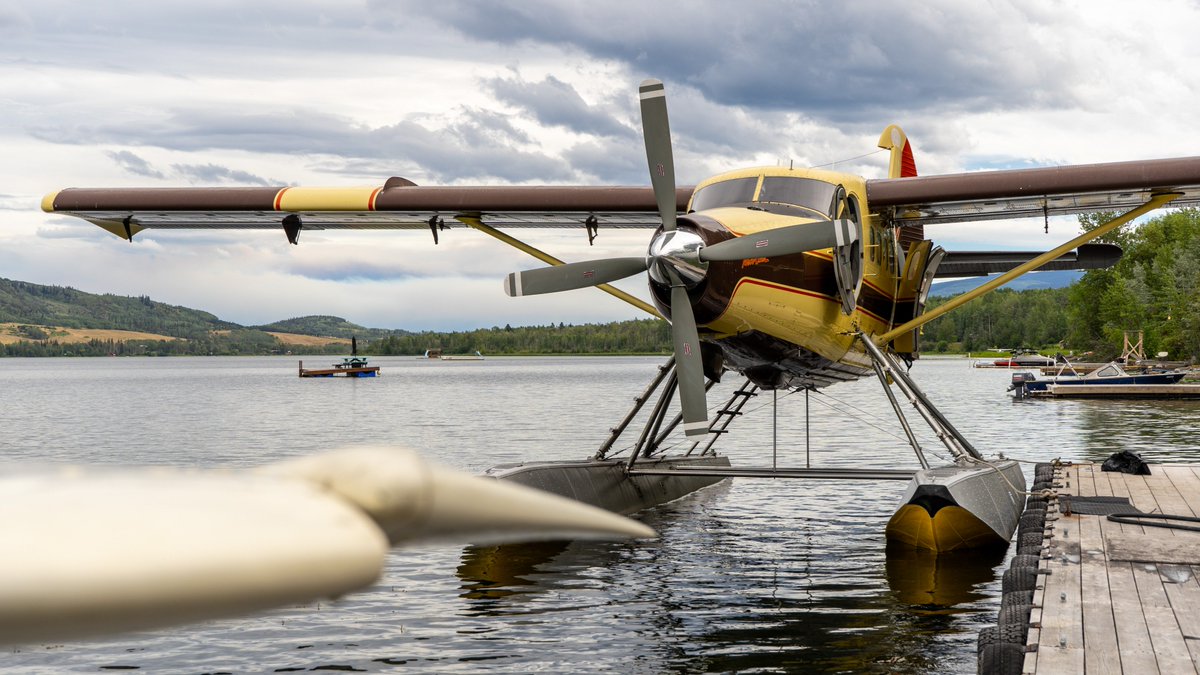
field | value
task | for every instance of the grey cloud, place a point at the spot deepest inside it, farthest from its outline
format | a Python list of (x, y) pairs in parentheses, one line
[(134, 164), (852, 59), (479, 144), (213, 173), (556, 103)]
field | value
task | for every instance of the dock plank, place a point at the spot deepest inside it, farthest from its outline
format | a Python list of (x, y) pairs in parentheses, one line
[(1187, 484), (1061, 646), (1101, 653), (1170, 648)]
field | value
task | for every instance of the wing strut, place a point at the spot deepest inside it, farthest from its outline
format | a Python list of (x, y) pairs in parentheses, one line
[(476, 223), (1155, 202)]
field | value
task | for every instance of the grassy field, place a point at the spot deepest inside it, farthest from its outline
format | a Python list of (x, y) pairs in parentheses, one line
[(11, 333)]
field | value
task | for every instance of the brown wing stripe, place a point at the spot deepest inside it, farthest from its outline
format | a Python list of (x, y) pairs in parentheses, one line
[(1054, 180), (166, 199), (453, 199)]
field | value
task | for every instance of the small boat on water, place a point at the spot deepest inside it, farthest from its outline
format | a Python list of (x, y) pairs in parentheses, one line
[(350, 366), (437, 354), (463, 357), (1026, 383)]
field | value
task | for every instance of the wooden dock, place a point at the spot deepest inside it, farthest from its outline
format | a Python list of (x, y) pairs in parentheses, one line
[(1114, 597)]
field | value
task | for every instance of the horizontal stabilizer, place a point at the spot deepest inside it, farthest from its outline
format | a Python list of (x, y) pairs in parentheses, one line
[(981, 263)]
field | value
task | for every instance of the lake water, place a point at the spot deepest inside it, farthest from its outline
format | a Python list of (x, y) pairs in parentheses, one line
[(748, 576)]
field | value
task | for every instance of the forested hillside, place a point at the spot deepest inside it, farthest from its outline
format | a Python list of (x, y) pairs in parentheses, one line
[(22, 302)]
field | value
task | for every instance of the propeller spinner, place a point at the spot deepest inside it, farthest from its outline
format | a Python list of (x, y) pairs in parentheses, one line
[(677, 259)]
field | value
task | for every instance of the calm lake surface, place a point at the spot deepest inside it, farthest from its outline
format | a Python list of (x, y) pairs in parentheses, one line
[(749, 575)]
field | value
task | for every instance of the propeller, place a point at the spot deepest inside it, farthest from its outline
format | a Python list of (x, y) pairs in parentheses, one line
[(677, 259), (92, 551)]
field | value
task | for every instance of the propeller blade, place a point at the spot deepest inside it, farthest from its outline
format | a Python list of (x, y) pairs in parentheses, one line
[(413, 500), (571, 276), (88, 552), (770, 243), (656, 132), (688, 366)]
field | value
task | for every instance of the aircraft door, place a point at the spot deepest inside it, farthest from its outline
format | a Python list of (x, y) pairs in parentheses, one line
[(848, 253), (919, 270)]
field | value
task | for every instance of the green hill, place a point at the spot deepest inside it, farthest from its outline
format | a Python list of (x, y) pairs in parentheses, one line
[(328, 326), (23, 302)]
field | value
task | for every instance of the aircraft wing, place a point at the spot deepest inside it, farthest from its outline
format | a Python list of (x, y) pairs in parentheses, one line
[(397, 205), (980, 263), (1040, 192)]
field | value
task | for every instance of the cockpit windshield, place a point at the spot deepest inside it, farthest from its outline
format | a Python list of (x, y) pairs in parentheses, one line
[(806, 193), (725, 193)]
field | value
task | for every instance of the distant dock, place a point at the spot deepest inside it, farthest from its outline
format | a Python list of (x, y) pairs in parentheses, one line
[(1107, 596), (350, 367)]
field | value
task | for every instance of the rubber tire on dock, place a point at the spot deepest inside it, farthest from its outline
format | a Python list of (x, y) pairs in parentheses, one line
[(1016, 598), (1030, 543), (1016, 613), (1019, 579), (1002, 658), (1025, 560), (1011, 633)]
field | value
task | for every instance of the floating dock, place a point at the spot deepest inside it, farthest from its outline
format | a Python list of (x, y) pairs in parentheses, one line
[(1106, 596), (355, 367)]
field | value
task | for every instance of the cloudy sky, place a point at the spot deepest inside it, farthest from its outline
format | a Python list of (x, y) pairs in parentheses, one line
[(305, 92)]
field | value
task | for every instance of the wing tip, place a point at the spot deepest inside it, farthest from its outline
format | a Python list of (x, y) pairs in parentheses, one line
[(512, 285)]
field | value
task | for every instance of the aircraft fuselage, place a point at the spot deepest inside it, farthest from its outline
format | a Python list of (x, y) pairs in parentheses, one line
[(780, 320)]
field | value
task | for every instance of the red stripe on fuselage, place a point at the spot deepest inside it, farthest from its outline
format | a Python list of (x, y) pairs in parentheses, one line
[(819, 296)]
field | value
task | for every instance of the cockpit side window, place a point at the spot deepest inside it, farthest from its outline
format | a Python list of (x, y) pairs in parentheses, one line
[(725, 193)]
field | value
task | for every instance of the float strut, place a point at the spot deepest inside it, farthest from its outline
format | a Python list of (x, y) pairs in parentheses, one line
[(954, 441)]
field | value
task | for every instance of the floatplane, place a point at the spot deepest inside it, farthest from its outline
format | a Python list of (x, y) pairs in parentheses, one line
[(790, 278)]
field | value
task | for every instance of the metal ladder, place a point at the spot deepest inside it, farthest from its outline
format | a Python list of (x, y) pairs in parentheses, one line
[(725, 416)]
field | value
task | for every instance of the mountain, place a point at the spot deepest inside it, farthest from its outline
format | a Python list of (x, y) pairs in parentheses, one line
[(1031, 281)]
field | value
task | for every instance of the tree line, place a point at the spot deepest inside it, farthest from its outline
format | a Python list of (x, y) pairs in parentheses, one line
[(1154, 288), (640, 336)]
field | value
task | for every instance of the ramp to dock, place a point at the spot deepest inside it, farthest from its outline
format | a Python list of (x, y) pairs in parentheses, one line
[(1114, 597)]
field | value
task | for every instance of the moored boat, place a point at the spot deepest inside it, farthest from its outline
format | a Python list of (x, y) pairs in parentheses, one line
[(1026, 383)]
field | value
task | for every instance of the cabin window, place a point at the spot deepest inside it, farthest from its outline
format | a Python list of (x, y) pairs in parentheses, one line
[(816, 195), (725, 193)]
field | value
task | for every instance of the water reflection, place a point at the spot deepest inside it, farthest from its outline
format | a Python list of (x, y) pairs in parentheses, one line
[(926, 580), (491, 573)]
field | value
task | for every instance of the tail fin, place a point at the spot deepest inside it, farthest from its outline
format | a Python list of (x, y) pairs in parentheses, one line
[(902, 164)]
